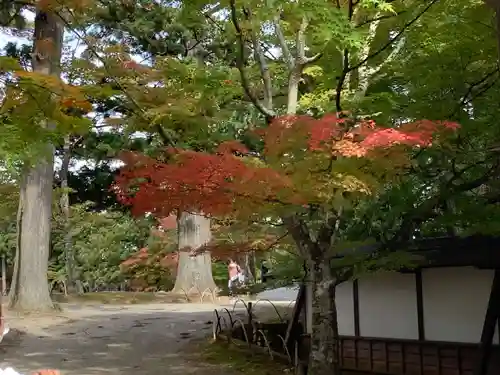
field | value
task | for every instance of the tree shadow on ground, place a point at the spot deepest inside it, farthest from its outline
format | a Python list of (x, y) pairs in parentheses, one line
[(125, 342)]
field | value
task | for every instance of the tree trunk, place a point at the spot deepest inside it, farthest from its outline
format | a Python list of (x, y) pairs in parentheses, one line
[(194, 273), (244, 261), (324, 356), (252, 265), (30, 289), (69, 255), (4, 276)]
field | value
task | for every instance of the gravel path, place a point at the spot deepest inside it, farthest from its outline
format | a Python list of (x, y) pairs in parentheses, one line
[(86, 340)]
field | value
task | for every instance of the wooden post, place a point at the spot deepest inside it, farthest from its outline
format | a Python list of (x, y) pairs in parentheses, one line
[(490, 322), (250, 325), (498, 326)]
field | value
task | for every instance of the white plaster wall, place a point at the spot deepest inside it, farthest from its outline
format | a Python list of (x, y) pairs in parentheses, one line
[(345, 308), (388, 306), (455, 301)]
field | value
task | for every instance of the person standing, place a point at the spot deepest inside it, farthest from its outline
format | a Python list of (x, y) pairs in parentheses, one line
[(234, 272), (264, 272)]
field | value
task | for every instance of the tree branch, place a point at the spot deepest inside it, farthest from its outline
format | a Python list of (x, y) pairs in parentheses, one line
[(397, 48), (282, 42), (341, 81), (301, 39), (467, 96), (300, 234), (264, 70), (269, 113), (328, 232), (345, 65), (396, 37), (301, 59), (380, 18), (421, 213)]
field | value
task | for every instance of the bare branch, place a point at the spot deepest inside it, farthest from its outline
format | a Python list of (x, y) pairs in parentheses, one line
[(313, 59), (301, 40), (269, 113), (282, 41), (264, 70), (299, 63)]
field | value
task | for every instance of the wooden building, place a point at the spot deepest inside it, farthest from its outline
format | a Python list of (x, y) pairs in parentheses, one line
[(438, 319)]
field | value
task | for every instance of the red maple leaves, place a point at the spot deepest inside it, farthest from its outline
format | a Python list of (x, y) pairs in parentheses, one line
[(143, 257), (195, 181), (343, 137), (222, 182)]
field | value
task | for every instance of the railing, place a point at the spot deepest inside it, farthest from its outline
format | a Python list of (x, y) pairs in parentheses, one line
[(261, 336), (411, 357), (357, 354)]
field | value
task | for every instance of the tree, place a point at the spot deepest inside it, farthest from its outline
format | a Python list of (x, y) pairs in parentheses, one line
[(308, 170), (194, 271), (142, 35), (35, 203), (444, 187), (37, 110)]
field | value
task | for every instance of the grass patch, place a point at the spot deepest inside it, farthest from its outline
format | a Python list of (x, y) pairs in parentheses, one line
[(240, 360)]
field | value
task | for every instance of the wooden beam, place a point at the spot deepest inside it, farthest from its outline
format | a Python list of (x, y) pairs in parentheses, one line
[(420, 305), (297, 309), (355, 299), (490, 321), (498, 326)]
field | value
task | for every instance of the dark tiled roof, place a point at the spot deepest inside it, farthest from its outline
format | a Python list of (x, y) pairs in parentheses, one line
[(477, 250)]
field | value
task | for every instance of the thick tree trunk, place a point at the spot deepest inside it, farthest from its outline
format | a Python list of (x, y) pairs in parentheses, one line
[(324, 356), (30, 290), (194, 273)]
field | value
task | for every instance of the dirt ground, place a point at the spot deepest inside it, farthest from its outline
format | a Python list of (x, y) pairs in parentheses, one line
[(127, 339), (111, 339)]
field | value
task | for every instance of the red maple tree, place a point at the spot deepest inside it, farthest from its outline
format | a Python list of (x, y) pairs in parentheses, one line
[(308, 172), (304, 162)]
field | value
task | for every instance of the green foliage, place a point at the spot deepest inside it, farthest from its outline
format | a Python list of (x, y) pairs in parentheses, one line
[(101, 241), (220, 273), (286, 268)]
